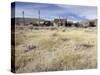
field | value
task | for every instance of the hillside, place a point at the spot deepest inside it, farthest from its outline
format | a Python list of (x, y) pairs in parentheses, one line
[(86, 22), (27, 20)]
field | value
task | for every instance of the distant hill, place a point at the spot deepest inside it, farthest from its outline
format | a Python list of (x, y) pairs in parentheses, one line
[(86, 22), (27, 20)]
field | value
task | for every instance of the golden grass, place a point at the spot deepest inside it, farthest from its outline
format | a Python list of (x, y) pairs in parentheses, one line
[(69, 49)]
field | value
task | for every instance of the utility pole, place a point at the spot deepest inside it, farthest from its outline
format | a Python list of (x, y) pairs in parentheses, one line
[(59, 21), (39, 16), (23, 18)]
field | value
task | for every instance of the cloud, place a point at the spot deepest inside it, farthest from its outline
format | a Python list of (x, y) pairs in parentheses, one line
[(82, 12)]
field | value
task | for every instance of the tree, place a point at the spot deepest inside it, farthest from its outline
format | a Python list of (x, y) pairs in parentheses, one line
[(91, 24)]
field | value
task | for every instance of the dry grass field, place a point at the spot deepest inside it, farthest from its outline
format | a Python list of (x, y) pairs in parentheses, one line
[(55, 50)]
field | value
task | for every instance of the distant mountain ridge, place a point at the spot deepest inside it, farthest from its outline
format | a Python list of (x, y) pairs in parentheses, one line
[(85, 22), (19, 20), (27, 20)]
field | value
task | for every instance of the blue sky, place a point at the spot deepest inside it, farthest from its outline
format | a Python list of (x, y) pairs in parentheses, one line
[(51, 11)]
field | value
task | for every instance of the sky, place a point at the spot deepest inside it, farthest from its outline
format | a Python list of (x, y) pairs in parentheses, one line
[(51, 11)]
